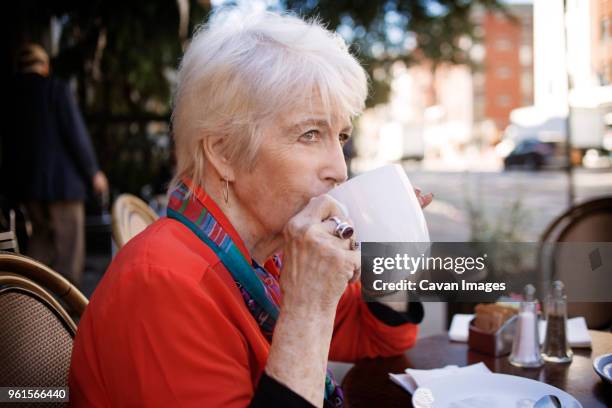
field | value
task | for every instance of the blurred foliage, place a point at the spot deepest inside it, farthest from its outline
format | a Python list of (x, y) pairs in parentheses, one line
[(506, 226), (123, 55), (410, 31), (123, 50)]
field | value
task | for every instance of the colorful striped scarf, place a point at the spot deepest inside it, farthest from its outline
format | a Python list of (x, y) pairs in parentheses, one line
[(259, 288)]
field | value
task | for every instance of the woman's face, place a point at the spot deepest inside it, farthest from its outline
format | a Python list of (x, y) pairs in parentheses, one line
[(300, 158)]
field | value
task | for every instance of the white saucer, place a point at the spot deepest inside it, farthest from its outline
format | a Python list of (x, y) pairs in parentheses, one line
[(488, 391)]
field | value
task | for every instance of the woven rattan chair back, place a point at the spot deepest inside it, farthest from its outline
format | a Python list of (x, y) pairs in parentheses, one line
[(131, 216), (37, 327)]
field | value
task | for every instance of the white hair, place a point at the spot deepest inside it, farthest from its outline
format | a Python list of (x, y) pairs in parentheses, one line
[(240, 72)]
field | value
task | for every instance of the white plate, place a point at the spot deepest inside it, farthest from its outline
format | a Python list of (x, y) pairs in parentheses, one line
[(488, 391)]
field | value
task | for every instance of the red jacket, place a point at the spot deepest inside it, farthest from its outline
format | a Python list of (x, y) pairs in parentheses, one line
[(167, 326)]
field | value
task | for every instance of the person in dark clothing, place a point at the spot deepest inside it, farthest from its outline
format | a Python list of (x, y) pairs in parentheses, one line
[(48, 163)]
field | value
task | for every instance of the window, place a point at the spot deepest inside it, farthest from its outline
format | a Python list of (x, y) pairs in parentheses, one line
[(526, 83), (503, 44), (525, 55), (503, 101), (504, 72)]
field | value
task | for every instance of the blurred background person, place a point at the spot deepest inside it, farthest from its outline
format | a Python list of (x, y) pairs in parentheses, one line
[(49, 163)]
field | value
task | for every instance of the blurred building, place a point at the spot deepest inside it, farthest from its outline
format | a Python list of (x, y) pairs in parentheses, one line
[(504, 79), (518, 87), (452, 112), (429, 116), (601, 39), (551, 57), (572, 65)]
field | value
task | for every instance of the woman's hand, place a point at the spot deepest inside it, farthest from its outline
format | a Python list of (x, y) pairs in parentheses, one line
[(100, 183), (424, 200), (317, 265)]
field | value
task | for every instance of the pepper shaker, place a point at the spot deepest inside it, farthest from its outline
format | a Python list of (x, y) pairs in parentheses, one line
[(556, 347)]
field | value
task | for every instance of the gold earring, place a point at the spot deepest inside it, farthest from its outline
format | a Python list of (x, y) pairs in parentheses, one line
[(226, 191)]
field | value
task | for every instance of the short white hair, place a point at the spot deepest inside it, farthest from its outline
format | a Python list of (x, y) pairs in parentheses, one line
[(239, 72)]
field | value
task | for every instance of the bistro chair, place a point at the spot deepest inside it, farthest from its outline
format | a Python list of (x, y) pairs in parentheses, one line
[(130, 216), (590, 221), (8, 242), (8, 238), (38, 308)]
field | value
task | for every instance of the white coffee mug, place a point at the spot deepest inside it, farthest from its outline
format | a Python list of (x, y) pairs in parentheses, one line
[(383, 206)]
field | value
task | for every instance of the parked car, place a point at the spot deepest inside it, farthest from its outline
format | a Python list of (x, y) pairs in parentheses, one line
[(533, 154)]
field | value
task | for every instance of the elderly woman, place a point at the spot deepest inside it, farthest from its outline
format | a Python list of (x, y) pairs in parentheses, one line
[(241, 294)]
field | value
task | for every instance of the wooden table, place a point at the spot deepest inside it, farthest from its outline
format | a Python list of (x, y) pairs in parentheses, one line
[(367, 384)]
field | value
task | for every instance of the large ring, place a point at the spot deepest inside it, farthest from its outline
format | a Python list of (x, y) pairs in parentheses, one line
[(343, 230)]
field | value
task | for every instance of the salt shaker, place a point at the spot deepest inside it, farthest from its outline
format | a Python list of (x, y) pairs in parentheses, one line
[(526, 345), (556, 347)]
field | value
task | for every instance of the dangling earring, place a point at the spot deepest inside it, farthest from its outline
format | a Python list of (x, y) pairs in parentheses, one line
[(226, 191)]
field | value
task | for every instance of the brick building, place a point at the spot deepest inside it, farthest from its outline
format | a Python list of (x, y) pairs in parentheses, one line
[(504, 79)]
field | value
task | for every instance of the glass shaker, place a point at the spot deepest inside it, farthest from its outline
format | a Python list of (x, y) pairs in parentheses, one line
[(526, 344), (556, 347)]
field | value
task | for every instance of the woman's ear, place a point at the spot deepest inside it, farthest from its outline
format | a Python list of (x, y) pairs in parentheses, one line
[(214, 150)]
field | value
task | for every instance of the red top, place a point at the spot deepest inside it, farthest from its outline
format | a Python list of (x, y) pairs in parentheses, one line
[(167, 326)]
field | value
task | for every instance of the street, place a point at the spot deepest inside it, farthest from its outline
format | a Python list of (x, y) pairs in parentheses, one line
[(541, 196)]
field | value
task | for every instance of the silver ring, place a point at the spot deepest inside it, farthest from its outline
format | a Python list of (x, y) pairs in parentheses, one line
[(337, 220), (343, 230)]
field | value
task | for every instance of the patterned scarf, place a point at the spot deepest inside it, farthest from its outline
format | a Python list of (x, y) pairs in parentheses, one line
[(259, 288)]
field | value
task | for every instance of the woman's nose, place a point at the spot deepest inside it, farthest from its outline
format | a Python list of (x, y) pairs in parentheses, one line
[(335, 165)]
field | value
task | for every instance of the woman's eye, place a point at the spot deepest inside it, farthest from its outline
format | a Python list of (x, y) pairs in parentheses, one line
[(344, 137), (310, 136)]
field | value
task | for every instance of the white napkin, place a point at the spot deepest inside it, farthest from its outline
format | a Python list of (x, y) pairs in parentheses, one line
[(577, 332), (459, 328), (413, 378)]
